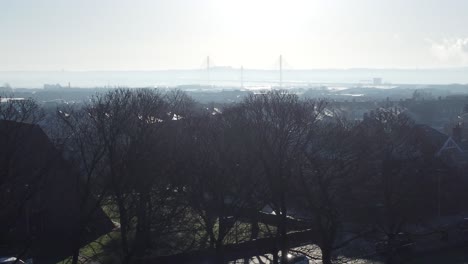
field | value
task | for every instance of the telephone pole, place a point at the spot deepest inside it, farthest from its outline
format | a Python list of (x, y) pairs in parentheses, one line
[(242, 77), (208, 69), (281, 70)]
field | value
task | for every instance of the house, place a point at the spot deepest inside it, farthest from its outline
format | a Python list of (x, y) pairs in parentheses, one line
[(454, 150), (40, 196)]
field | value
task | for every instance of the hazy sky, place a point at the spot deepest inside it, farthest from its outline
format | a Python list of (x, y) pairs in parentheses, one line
[(175, 34)]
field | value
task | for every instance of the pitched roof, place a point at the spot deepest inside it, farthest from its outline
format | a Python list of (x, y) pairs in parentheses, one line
[(39, 191)]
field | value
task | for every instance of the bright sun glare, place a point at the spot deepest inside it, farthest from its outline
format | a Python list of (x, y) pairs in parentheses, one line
[(266, 18)]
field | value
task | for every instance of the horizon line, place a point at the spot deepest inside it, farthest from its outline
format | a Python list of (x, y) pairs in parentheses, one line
[(251, 69)]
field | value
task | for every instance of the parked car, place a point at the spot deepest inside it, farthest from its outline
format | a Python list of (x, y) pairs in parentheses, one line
[(11, 260), (297, 259)]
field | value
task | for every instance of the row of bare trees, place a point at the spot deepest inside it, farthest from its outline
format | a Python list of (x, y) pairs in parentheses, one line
[(178, 176), (127, 143)]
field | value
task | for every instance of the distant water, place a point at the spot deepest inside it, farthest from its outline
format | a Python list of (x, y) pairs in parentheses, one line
[(231, 77)]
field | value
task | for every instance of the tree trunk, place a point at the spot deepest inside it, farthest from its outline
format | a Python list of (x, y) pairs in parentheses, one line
[(254, 232), (283, 231), (76, 254), (222, 230), (219, 253), (275, 256), (326, 255), (76, 243), (210, 230), (142, 236), (123, 228)]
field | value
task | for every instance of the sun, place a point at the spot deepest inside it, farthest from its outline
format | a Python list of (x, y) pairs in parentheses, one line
[(250, 18)]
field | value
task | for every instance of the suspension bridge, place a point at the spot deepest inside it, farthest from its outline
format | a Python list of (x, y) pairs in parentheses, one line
[(274, 76)]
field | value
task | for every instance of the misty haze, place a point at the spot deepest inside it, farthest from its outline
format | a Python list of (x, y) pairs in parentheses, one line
[(219, 131)]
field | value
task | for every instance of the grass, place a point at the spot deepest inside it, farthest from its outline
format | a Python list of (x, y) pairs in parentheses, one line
[(96, 250), (106, 248)]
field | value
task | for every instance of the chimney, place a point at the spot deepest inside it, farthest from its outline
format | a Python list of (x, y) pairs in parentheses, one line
[(457, 133)]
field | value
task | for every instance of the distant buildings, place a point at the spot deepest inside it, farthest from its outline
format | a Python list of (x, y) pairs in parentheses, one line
[(51, 87), (377, 81), (6, 88)]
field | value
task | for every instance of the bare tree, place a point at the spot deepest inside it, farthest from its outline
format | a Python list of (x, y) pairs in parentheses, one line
[(396, 174), (79, 142), (128, 140), (221, 182), (329, 182), (281, 126)]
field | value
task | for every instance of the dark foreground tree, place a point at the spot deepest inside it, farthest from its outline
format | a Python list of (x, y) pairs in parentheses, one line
[(280, 124), (397, 176), (124, 142), (17, 125), (329, 184), (222, 180)]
